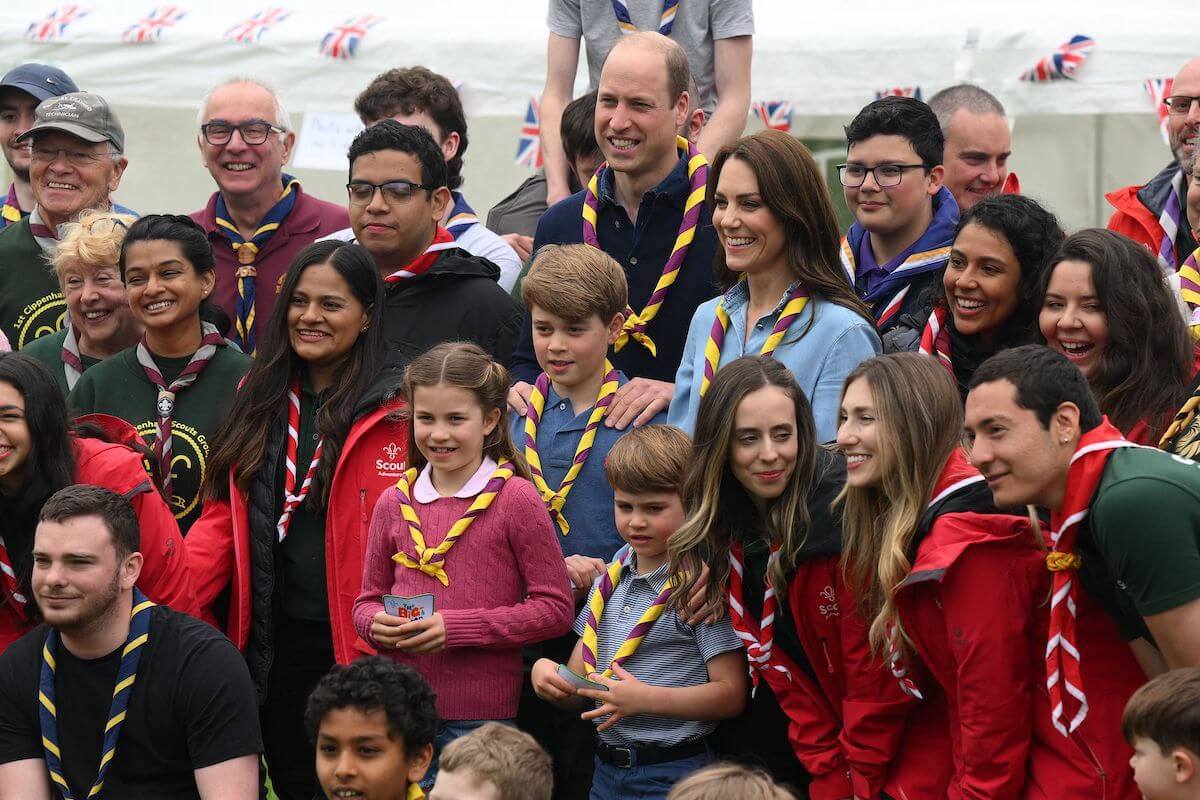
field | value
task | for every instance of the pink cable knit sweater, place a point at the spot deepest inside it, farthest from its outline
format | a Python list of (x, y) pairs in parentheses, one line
[(508, 588)]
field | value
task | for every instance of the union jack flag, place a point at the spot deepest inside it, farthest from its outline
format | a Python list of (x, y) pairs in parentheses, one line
[(342, 40), (899, 91), (151, 26), (529, 147), (52, 28), (251, 29), (775, 114), (1062, 64), (1159, 89)]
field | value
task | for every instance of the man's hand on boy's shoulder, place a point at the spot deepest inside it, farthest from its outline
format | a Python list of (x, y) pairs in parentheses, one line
[(583, 570), (518, 397), (637, 402)]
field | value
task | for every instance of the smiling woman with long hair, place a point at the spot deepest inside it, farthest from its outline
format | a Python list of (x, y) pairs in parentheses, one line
[(310, 441)]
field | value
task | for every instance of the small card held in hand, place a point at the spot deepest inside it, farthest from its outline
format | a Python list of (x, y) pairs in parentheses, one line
[(409, 609), (577, 680)]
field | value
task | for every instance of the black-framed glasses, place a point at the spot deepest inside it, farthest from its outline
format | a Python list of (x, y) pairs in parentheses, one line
[(253, 131), (886, 176), (361, 192), (1179, 104), (106, 225), (78, 158)]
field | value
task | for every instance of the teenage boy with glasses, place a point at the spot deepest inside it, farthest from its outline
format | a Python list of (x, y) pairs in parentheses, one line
[(259, 218), (76, 161), (436, 292), (896, 250)]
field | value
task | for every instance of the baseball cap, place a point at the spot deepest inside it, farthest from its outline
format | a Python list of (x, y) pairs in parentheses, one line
[(81, 114), (40, 80)]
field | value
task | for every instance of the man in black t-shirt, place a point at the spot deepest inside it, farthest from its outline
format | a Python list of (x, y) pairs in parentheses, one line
[(113, 689)]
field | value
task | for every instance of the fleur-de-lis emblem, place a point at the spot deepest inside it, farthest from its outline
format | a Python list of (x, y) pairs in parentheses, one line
[(830, 607), (391, 451)]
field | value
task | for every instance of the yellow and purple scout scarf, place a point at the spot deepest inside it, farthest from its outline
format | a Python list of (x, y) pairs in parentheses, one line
[(935, 339), (462, 216), (930, 253), (1169, 220), (131, 656), (666, 19), (210, 340), (556, 499), (589, 643), (11, 211), (636, 324), (797, 300), (247, 250), (432, 560), (1189, 290)]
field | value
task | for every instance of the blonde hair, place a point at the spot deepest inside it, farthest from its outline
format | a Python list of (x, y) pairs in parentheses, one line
[(717, 503), (653, 458), (575, 281), (508, 758), (464, 365), (94, 241), (918, 420), (726, 781)]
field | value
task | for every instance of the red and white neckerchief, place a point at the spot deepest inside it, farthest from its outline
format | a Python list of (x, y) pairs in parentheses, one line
[(935, 339), (72, 359), (9, 576), (1062, 653), (292, 498), (442, 240), (758, 637)]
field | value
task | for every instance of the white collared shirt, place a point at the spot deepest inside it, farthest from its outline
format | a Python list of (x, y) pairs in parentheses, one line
[(425, 492)]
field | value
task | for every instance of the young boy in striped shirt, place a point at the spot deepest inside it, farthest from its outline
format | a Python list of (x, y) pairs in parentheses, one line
[(658, 683)]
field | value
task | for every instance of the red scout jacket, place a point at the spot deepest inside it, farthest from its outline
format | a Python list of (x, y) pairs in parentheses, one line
[(164, 576), (373, 458), (975, 606)]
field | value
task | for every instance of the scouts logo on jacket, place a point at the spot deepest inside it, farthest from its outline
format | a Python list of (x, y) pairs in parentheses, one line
[(189, 458), (393, 466), (829, 606), (40, 318)]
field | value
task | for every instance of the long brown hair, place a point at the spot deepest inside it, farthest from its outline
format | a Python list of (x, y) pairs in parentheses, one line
[(716, 501), (464, 365), (918, 419), (792, 189)]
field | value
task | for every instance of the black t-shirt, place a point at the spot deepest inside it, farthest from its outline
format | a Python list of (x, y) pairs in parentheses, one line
[(192, 706)]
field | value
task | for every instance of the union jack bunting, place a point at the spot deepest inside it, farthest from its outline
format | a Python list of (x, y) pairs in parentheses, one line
[(775, 114), (529, 147), (54, 25), (899, 91), (1159, 89), (1062, 64), (251, 29), (151, 26), (343, 40)]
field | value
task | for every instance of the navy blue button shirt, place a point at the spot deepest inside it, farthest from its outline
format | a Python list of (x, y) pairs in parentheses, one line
[(641, 250)]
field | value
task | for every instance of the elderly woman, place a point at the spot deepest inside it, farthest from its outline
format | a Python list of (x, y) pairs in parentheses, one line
[(99, 323)]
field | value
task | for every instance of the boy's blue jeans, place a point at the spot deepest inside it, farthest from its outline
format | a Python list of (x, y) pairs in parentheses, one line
[(652, 782)]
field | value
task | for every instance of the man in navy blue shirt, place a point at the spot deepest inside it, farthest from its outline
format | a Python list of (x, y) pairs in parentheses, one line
[(642, 103)]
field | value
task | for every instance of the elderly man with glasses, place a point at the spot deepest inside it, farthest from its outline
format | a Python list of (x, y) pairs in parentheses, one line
[(1153, 214), (259, 218), (76, 163)]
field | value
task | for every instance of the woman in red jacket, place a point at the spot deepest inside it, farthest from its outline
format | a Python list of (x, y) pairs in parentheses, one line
[(956, 596), (310, 442), (40, 454), (759, 500)]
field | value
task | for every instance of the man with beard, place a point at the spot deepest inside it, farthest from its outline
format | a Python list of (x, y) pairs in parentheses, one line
[(1153, 214), (114, 692), (21, 89)]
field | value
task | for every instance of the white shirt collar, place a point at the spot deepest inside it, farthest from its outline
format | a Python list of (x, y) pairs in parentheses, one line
[(424, 491)]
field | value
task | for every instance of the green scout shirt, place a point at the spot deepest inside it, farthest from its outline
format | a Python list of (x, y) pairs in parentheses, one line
[(48, 350), (1141, 546), (302, 553), (119, 386), (31, 305)]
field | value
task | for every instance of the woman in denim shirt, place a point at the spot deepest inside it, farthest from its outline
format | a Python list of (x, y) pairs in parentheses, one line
[(785, 291)]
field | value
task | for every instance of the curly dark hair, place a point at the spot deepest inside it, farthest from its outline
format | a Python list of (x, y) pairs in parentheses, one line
[(900, 116), (377, 683), (413, 90)]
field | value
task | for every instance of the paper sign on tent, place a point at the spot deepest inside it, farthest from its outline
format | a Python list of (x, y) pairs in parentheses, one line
[(324, 139)]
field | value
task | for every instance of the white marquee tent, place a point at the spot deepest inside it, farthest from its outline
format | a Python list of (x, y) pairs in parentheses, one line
[(1073, 139)]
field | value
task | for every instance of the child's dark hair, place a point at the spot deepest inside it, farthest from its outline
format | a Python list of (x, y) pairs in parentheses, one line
[(900, 116), (1166, 711), (653, 458), (464, 365), (411, 139), (377, 683)]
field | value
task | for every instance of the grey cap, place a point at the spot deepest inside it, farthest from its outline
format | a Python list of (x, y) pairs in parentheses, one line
[(81, 114), (40, 80)]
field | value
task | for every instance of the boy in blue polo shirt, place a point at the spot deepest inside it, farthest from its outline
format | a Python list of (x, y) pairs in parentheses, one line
[(896, 250), (657, 683)]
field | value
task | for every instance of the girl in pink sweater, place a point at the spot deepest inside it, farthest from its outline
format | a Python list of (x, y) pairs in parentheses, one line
[(467, 526)]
